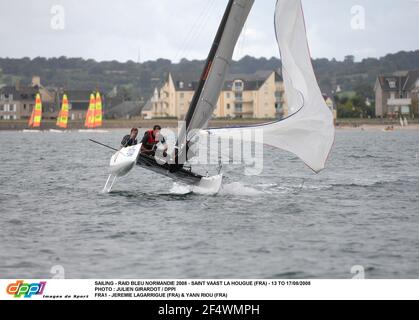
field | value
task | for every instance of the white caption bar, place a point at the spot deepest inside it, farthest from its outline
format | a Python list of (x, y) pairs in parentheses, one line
[(24, 289)]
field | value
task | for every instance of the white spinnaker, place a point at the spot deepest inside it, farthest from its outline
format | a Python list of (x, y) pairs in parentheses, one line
[(309, 131)]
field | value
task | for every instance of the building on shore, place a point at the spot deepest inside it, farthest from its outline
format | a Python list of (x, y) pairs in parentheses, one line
[(331, 103), (396, 94), (244, 96), (78, 101), (17, 102), (125, 110), (147, 112)]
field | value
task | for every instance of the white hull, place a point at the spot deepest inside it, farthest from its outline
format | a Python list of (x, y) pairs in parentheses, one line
[(123, 161), (31, 131)]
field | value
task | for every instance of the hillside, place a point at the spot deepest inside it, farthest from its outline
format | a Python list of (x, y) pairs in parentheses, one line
[(139, 79)]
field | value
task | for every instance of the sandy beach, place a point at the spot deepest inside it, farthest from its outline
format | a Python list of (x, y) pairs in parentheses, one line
[(344, 124), (370, 127)]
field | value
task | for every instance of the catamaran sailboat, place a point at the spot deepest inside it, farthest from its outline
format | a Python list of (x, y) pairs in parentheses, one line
[(308, 132), (36, 116), (94, 114), (62, 119)]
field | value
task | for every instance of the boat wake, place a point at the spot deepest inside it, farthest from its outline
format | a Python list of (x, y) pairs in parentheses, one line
[(239, 189), (233, 189), (180, 189)]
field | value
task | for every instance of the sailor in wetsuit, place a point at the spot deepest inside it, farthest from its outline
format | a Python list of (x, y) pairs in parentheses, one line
[(150, 141), (130, 139)]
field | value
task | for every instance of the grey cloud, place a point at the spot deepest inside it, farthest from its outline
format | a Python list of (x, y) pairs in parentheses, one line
[(185, 28)]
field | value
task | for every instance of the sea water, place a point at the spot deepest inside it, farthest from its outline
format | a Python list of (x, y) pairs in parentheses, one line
[(286, 222)]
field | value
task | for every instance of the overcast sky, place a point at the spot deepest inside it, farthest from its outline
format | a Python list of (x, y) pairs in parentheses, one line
[(150, 29)]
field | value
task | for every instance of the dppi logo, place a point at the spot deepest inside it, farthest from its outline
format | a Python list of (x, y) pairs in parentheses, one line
[(27, 290)]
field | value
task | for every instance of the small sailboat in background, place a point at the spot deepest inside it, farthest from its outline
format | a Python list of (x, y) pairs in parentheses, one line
[(90, 115), (98, 111), (36, 116), (62, 119), (94, 115), (388, 129)]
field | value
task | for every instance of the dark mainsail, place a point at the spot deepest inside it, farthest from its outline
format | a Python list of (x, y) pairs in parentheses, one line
[(213, 76), (208, 64)]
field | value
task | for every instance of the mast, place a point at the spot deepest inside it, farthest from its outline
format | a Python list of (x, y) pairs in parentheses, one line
[(208, 65), (213, 75)]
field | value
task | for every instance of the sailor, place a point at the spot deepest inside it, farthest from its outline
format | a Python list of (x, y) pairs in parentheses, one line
[(150, 141), (130, 139)]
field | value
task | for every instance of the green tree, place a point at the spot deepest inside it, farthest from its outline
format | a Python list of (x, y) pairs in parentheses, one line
[(354, 107), (347, 110), (125, 93), (364, 90)]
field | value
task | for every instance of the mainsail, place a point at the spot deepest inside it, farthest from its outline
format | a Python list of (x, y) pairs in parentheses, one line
[(62, 119), (213, 76), (90, 115), (309, 131), (98, 111), (36, 116), (94, 112)]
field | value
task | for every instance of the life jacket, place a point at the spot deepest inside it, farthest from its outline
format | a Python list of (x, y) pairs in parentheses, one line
[(151, 141)]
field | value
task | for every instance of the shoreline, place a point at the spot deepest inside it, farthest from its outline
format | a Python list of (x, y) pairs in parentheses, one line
[(353, 125)]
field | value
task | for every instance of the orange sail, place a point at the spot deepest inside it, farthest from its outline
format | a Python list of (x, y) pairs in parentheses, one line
[(62, 120), (98, 111), (36, 116), (90, 116)]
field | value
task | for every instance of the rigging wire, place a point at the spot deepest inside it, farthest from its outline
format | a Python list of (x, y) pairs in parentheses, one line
[(191, 29), (200, 29), (197, 25), (242, 41)]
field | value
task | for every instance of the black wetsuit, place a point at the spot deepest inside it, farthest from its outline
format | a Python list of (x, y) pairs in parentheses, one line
[(128, 142)]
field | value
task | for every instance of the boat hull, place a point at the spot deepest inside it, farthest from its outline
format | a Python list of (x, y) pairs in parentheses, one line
[(199, 183), (123, 161)]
